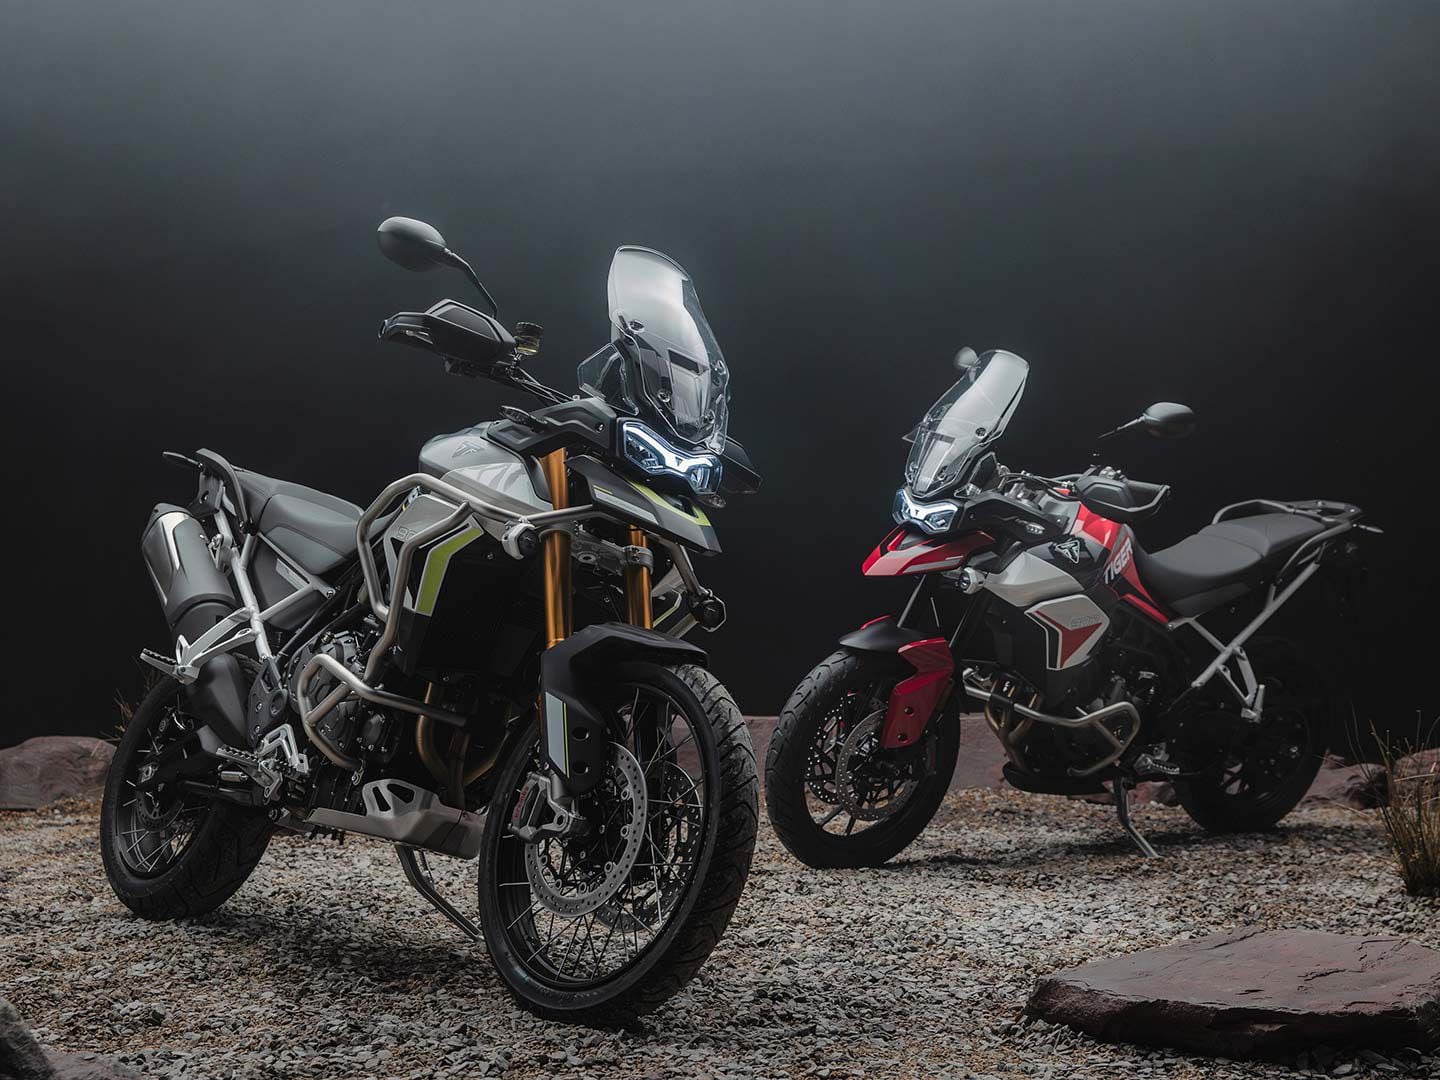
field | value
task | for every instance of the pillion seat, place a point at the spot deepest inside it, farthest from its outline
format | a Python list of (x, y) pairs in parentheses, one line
[(1223, 561), (315, 529)]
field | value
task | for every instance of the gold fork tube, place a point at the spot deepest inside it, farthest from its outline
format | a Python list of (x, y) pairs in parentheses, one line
[(555, 551), (637, 585)]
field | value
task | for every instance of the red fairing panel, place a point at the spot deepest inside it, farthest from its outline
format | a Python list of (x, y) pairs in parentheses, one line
[(1119, 571), (915, 699), (906, 552)]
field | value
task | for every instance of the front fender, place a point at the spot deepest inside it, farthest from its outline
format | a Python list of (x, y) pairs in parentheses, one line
[(914, 700), (572, 729), (882, 635)]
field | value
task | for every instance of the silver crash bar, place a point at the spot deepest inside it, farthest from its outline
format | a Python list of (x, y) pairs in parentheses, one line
[(388, 610)]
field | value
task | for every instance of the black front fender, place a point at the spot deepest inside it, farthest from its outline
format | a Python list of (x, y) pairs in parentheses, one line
[(881, 635), (572, 728)]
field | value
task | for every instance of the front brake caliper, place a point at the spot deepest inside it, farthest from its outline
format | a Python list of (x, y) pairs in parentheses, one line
[(538, 796)]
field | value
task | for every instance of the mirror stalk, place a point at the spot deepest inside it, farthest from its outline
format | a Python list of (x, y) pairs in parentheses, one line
[(456, 261)]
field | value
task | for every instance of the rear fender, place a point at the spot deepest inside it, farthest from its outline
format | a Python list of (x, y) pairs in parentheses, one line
[(914, 699), (572, 728)]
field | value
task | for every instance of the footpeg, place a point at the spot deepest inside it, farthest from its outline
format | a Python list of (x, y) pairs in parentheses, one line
[(160, 662), (1147, 767), (267, 775)]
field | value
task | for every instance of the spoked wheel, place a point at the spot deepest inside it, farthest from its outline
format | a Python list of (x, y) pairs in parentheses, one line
[(836, 797), (169, 852), (1261, 769), (604, 925), (156, 825)]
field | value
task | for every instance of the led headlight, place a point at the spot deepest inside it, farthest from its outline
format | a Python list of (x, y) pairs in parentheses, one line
[(935, 517), (650, 453)]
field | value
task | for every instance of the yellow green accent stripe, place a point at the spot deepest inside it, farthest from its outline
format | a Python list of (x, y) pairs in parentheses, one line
[(437, 562), (695, 514)]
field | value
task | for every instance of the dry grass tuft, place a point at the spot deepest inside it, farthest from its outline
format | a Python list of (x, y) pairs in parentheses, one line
[(148, 678), (1412, 818)]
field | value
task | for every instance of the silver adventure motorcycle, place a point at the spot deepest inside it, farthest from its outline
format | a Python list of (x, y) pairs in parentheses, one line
[(472, 666)]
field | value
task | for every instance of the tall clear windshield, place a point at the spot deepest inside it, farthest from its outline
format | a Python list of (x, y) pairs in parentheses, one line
[(967, 418), (664, 363)]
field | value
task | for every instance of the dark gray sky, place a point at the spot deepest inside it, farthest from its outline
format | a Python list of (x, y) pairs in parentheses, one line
[(1232, 204)]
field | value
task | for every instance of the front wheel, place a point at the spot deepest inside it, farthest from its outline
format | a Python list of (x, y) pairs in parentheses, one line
[(604, 926), (835, 796)]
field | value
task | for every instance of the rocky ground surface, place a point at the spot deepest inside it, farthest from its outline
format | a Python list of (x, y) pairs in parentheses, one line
[(327, 965)]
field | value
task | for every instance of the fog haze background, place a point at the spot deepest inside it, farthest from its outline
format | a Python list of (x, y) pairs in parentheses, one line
[(1228, 204)]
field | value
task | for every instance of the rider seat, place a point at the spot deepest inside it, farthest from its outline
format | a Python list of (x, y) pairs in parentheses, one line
[(1223, 561), (315, 529)]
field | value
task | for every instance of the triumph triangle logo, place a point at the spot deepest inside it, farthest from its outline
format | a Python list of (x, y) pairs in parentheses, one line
[(1069, 549)]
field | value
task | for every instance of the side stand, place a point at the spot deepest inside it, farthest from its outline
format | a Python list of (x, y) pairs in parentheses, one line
[(419, 876), (1122, 808)]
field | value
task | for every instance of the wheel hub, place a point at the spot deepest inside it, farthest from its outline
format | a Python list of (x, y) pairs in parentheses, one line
[(858, 766)]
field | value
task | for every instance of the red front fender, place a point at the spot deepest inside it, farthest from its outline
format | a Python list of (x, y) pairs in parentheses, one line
[(915, 699)]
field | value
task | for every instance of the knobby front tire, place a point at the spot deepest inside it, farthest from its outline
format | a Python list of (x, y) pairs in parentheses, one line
[(844, 677), (694, 921)]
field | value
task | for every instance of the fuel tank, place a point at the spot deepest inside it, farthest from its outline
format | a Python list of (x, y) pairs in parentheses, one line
[(473, 463)]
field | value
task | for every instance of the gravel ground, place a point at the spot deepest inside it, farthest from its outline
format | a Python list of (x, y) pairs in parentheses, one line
[(326, 964)]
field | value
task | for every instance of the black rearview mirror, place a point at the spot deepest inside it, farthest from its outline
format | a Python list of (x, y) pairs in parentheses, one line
[(412, 244), (1164, 420), (1168, 420), (418, 246)]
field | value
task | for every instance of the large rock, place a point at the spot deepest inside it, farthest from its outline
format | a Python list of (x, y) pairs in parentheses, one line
[(21, 1057), (1254, 993), (1423, 764), (51, 767), (1360, 786)]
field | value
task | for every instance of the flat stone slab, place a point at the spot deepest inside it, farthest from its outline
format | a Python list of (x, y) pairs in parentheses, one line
[(1254, 993), (50, 767)]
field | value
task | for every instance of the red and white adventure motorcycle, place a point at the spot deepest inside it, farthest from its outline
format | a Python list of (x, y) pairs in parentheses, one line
[(1035, 603)]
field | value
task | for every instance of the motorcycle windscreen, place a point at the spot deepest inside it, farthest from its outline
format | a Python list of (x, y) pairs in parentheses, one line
[(967, 418), (669, 368)]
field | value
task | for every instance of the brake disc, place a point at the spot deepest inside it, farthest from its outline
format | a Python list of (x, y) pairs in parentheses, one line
[(565, 893), (817, 784), (856, 761)]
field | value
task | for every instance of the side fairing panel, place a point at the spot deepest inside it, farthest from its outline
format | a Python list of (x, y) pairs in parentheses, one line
[(1029, 580), (473, 463), (1114, 546), (679, 519), (1073, 627), (907, 552), (429, 564)]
